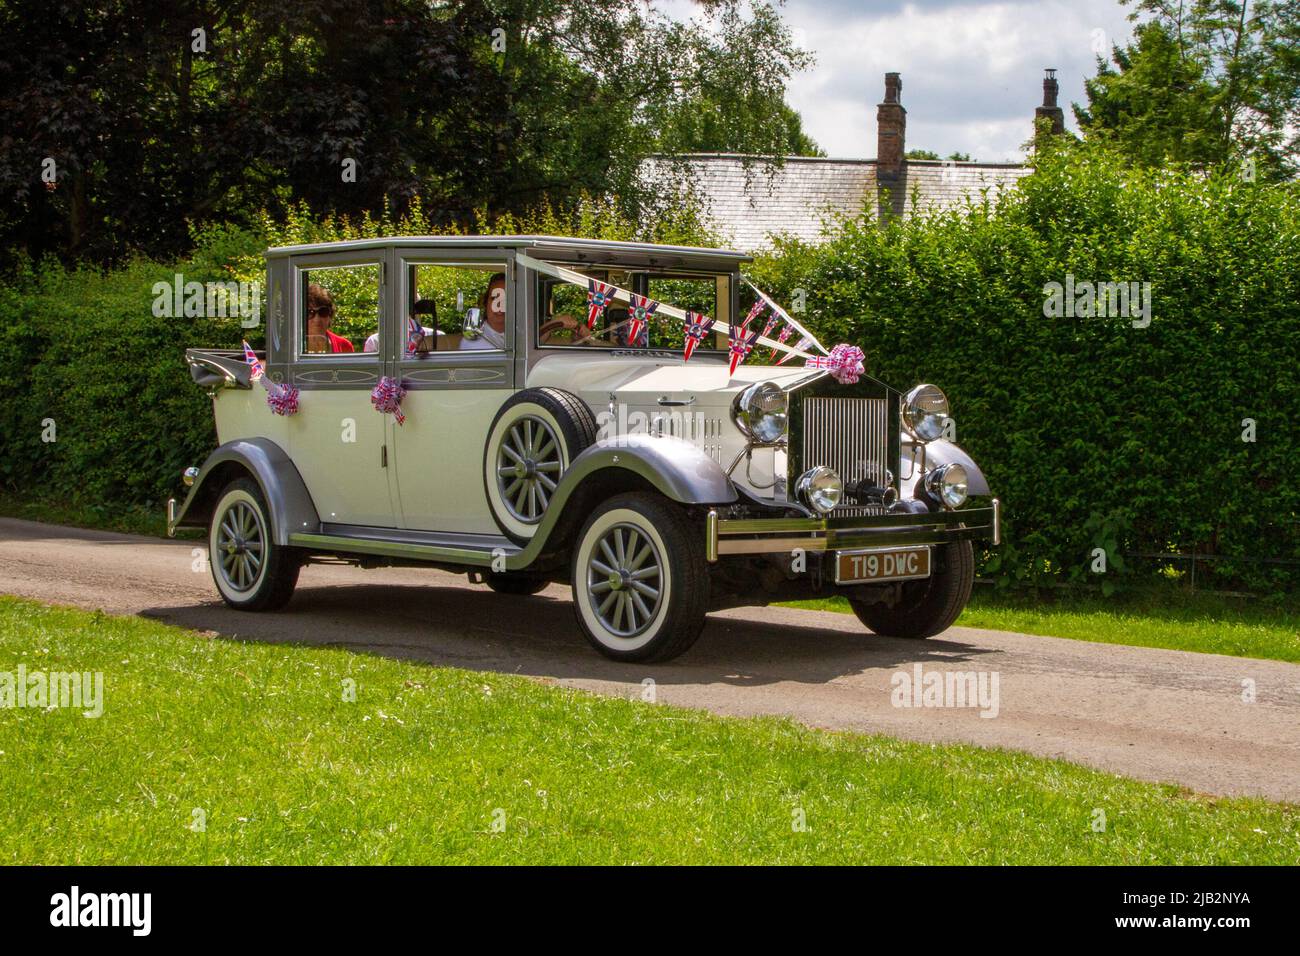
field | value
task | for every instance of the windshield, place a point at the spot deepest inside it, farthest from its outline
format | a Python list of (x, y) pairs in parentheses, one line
[(562, 320)]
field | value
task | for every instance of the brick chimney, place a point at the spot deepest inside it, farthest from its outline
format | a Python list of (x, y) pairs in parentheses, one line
[(891, 129), (1049, 110)]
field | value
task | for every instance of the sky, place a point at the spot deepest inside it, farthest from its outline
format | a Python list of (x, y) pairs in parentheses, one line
[(972, 70)]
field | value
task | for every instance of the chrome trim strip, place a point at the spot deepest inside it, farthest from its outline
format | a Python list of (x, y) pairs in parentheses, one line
[(971, 517), (395, 549), (997, 522), (171, 517), (711, 536)]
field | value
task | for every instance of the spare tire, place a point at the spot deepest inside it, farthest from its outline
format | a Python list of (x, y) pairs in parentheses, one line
[(533, 440)]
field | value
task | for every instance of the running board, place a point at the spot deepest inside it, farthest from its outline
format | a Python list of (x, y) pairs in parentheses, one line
[(475, 550)]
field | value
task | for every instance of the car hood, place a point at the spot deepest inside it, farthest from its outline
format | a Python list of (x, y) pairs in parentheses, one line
[(657, 374)]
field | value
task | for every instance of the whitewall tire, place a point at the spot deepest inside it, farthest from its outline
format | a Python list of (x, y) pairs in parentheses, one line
[(640, 583), (533, 440), (251, 571)]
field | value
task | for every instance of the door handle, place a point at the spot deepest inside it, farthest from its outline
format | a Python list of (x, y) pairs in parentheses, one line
[(665, 400)]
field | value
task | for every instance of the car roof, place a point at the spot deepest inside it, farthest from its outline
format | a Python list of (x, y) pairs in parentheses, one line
[(582, 249)]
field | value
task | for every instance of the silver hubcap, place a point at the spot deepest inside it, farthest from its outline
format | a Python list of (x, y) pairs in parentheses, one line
[(240, 546), (528, 468), (623, 580)]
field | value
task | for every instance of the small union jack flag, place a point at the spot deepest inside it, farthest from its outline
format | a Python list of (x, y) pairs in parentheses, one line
[(599, 296), (414, 333), (639, 311), (697, 326), (784, 334), (755, 311), (771, 324), (742, 343), (255, 364)]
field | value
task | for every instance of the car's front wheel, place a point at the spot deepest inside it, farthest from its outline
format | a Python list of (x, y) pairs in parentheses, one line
[(640, 583), (251, 571), (931, 605)]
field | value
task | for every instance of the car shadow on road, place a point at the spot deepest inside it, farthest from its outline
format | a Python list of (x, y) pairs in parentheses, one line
[(477, 629)]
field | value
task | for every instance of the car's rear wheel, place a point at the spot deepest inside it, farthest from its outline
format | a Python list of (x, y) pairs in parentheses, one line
[(533, 440), (640, 583), (251, 571), (929, 606)]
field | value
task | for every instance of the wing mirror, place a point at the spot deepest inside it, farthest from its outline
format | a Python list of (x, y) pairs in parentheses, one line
[(473, 326)]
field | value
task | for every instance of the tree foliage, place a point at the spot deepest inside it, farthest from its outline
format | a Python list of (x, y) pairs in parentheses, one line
[(159, 116), (1205, 82)]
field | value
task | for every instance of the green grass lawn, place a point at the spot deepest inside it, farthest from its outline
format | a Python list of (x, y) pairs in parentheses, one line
[(417, 769), (1175, 619)]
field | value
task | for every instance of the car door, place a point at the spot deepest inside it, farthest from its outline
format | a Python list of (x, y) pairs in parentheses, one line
[(337, 439), (453, 390)]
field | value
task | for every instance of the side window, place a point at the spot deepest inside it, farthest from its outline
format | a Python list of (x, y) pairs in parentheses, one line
[(339, 309), (459, 307)]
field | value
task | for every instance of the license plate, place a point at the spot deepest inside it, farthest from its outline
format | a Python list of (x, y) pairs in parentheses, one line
[(882, 564)]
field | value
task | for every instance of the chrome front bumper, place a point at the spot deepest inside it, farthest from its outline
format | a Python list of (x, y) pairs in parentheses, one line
[(769, 535)]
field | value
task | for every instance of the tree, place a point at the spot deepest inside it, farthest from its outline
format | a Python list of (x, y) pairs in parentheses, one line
[(1206, 82), (160, 117)]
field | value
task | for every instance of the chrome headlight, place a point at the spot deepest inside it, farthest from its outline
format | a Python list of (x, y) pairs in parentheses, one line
[(925, 412), (948, 484), (761, 411), (820, 489)]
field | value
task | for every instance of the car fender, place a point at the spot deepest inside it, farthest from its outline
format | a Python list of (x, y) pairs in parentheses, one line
[(675, 467), (941, 452), (283, 489)]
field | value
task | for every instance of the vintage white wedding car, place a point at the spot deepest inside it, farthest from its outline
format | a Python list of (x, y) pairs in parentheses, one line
[(521, 409)]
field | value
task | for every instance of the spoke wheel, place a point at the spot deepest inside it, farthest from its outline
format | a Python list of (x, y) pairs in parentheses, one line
[(640, 581), (529, 464), (624, 581), (251, 571), (241, 546), (536, 435)]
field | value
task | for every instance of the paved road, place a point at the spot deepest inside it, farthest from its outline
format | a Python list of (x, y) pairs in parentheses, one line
[(1167, 716)]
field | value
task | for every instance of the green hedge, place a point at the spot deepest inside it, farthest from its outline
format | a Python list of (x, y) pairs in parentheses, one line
[(83, 349), (1093, 432)]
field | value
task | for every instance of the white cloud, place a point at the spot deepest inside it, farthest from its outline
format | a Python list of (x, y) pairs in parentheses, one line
[(972, 71)]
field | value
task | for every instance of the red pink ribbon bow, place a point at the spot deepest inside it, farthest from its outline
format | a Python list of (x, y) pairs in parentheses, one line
[(387, 398), (845, 363)]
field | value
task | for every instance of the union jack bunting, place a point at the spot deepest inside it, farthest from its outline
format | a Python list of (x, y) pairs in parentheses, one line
[(254, 363), (697, 326), (639, 311), (771, 324), (599, 296), (784, 334), (803, 344), (742, 343), (755, 311)]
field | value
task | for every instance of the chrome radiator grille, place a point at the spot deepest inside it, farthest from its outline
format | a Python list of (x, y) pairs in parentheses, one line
[(850, 435)]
